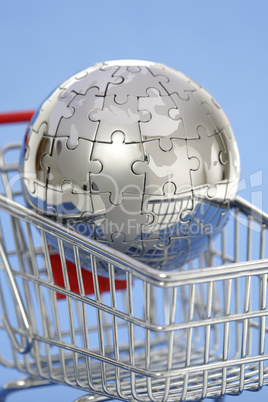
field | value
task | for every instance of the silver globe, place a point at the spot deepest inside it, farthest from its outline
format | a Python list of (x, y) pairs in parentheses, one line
[(135, 155)]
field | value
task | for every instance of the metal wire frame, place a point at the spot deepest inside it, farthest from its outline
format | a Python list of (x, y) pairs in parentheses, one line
[(172, 336)]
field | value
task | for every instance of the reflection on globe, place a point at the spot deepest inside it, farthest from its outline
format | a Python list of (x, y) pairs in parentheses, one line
[(135, 155)]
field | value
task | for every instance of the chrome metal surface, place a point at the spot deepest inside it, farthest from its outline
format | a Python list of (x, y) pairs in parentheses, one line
[(21, 384), (200, 332), (137, 156)]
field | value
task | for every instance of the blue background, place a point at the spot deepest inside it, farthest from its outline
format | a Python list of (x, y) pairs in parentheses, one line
[(221, 44)]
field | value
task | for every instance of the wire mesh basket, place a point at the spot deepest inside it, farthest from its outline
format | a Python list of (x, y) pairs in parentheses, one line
[(150, 336)]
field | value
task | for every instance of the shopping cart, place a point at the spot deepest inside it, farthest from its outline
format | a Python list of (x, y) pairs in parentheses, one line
[(152, 336)]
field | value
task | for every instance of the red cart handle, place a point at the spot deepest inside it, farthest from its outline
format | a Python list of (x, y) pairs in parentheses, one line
[(16, 117)]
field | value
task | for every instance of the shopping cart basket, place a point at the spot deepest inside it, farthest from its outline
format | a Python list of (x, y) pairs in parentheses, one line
[(154, 335)]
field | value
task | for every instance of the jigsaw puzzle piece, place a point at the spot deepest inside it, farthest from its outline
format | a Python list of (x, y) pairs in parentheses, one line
[(213, 111), (62, 162), (96, 76), (80, 125), (126, 218), (176, 82), (212, 191), (52, 110), (130, 248), (211, 178), (161, 167), (116, 176), (119, 117), (67, 202), (35, 140), (230, 155), (101, 203), (137, 78), (196, 216), (165, 122), (191, 120), (205, 219), (167, 212), (25, 147), (231, 161), (33, 171), (35, 194)]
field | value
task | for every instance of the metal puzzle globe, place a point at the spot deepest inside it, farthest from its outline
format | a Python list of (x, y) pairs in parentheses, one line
[(135, 155)]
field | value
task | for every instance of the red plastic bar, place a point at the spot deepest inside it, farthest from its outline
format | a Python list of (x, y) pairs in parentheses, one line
[(16, 117), (104, 283)]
